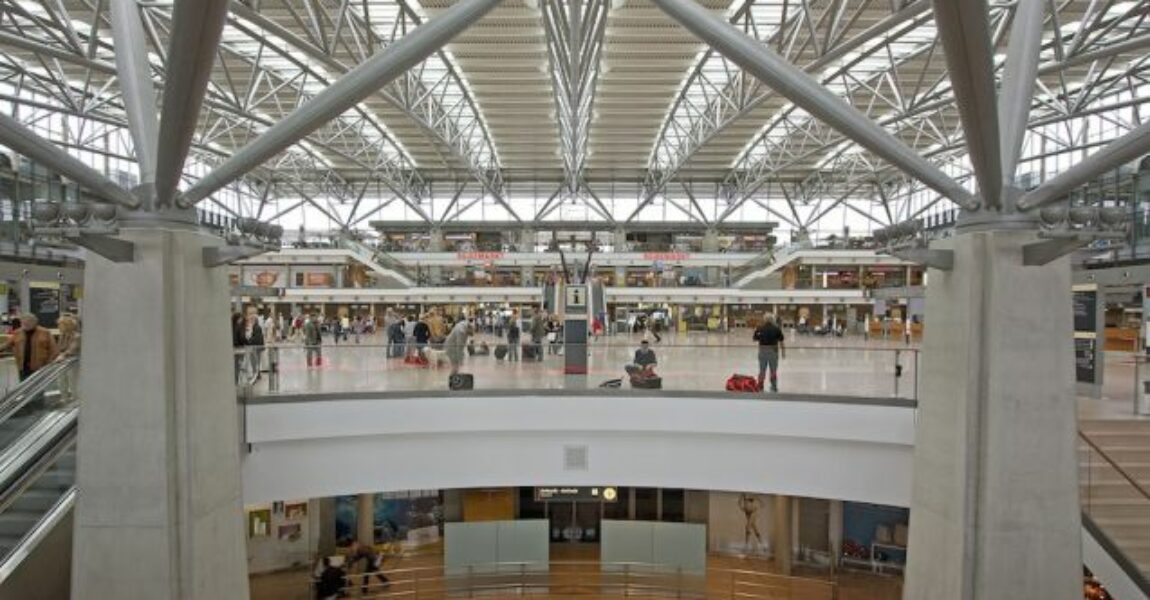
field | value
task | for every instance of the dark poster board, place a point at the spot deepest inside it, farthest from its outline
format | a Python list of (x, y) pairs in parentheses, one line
[(1084, 360), (576, 494), (45, 304), (1086, 311)]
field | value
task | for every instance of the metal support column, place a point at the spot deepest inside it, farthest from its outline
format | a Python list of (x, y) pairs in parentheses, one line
[(135, 79), (196, 31)]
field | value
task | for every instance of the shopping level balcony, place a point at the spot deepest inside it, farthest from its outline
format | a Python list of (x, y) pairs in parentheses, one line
[(800, 444)]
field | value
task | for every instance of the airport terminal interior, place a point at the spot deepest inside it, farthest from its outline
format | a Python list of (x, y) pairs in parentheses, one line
[(691, 299)]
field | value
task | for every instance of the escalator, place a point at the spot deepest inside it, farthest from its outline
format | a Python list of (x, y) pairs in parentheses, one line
[(38, 428)]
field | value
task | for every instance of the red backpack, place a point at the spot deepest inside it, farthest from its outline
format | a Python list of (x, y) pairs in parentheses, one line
[(743, 383)]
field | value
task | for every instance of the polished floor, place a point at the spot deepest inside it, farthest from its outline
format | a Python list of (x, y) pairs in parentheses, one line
[(696, 362), (573, 573)]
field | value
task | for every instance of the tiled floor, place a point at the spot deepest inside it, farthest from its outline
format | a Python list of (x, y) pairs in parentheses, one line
[(697, 361), (573, 574)]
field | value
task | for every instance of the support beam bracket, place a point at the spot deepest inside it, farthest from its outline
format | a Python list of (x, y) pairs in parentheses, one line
[(943, 260), (218, 256), (113, 249)]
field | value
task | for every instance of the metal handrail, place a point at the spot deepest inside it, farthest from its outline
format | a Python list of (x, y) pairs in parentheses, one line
[(29, 463), (27, 544), (1110, 548), (632, 577), (1114, 465), (749, 345), (33, 387)]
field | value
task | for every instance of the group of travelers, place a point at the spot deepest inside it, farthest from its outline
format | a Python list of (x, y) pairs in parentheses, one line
[(34, 347)]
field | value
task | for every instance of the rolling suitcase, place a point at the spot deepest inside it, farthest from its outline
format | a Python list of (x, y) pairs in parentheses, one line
[(529, 352), (461, 381), (501, 352)]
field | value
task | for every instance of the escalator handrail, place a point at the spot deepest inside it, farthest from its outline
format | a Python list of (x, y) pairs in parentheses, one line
[(31, 388), (23, 464), (1128, 567), (31, 540)]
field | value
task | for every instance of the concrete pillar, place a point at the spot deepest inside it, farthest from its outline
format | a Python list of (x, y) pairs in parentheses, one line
[(159, 505), (435, 243), (526, 241), (994, 507), (326, 542), (782, 533), (620, 240), (835, 532), (24, 294), (711, 241), (365, 519), (620, 276)]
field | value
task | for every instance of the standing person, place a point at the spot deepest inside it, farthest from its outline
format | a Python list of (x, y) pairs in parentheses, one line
[(513, 339), (552, 336), (422, 335), (32, 346), (252, 335), (656, 325), (69, 346), (357, 328), (344, 325), (238, 357), (438, 328), (456, 343), (313, 341), (771, 348), (538, 331), (409, 335)]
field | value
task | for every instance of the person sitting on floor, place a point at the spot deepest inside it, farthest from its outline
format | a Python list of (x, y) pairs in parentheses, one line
[(644, 361)]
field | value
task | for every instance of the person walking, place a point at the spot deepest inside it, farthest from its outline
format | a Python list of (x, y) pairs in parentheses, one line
[(32, 346), (513, 339), (313, 341), (771, 349), (656, 325), (69, 346)]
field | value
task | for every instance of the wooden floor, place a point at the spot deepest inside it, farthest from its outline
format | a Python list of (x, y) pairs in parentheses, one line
[(571, 580)]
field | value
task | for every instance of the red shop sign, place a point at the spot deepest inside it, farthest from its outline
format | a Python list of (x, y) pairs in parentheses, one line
[(666, 255)]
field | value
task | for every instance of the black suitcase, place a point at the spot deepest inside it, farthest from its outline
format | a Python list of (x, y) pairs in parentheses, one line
[(501, 352), (647, 383), (529, 352), (461, 381)]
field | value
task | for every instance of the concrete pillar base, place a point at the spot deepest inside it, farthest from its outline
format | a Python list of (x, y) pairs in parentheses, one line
[(995, 509), (160, 506)]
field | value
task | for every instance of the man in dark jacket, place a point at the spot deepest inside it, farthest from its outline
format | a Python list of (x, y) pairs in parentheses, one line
[(513, 339), (422, 334)]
